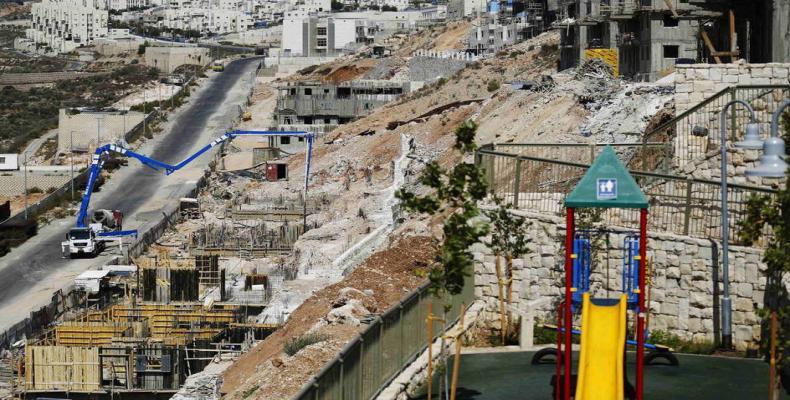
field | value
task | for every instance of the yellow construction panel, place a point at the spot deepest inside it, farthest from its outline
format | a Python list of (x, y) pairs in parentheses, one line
[(88, 334), (609, 56), (73, 369)]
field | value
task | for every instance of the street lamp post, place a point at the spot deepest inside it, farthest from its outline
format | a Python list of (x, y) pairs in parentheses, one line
[(770, 165), (752, 129)]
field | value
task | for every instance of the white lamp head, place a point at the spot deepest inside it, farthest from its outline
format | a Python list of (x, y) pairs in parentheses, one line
[(751, 139), (771, 163)]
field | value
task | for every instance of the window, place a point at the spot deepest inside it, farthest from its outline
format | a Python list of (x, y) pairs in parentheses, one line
[(285, 140), (322, 42), (322, 31), (308, 92), (671, 51), (670, 21), (2, 160)]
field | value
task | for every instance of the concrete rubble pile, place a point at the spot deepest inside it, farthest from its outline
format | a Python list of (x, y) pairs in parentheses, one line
[(200, 386)]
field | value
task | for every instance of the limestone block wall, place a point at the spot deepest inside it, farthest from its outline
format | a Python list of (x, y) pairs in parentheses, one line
[(167, 59), (696, 82), (685, 275)]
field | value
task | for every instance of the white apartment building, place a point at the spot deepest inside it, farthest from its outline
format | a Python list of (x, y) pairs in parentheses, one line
[(205, 20), (458, 9), (64, 25), (121, 5), (309, 35)]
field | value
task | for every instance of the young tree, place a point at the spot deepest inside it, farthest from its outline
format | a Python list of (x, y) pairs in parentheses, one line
[(454, 193), (774, 213), (509, 238)]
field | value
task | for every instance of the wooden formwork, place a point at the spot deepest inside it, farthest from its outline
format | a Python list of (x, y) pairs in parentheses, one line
[(72, 369), (177, 324), (87, 334)]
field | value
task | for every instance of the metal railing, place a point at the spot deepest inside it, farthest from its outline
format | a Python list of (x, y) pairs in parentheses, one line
[(679, 205), (686, 147), (647, 156), (392, 341)]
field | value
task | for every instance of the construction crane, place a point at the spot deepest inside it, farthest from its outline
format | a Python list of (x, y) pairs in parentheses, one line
[(89, 238)]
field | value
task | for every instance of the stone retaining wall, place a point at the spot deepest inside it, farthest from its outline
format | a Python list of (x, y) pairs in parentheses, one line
[(681, 296), (696, 82)]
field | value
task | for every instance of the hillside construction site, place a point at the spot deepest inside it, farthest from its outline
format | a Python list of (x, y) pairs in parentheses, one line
[(272, 284)]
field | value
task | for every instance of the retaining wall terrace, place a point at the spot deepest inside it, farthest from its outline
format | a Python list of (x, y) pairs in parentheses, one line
[(685, 277)]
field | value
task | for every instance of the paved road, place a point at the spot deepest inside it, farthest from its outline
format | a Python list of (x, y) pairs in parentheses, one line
[(30, 273)]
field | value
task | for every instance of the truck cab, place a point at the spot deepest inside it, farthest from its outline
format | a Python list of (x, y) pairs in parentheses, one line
[(83, 241)]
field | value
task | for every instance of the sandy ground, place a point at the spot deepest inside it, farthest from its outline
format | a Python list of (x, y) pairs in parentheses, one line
[(152, 91)]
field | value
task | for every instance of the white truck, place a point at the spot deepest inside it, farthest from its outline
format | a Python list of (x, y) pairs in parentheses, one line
[(89, 240)]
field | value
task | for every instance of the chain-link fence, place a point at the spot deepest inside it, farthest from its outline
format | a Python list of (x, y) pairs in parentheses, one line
[(390, 342), (678, 205)]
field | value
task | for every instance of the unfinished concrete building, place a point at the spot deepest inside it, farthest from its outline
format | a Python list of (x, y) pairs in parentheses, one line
[(319, 107), (644, 39)]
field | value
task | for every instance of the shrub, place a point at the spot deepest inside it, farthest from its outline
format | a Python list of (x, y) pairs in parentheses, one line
[(35, 189), (493, 85), (680, 345), (294, 345)]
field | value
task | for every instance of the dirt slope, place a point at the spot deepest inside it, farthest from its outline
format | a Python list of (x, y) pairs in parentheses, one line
[(385, 277)]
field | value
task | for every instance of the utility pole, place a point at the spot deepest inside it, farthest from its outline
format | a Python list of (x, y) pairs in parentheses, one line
[(71, 161), (25, 184), (99, 118)]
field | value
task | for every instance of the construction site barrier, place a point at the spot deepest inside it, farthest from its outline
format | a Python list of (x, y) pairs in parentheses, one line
[(392, 341), (680, 205)]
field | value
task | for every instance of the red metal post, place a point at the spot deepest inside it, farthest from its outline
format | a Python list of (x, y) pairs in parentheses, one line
[(558, 365), (569, 232), (640, 318)]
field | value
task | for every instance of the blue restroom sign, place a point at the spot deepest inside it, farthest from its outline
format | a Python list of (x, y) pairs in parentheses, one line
[(607, 189)]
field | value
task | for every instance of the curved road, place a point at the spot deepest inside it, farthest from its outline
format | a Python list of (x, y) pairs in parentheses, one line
[(30, 273)]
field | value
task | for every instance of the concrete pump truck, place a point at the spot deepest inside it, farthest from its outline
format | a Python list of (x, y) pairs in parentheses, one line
[(107, 225)]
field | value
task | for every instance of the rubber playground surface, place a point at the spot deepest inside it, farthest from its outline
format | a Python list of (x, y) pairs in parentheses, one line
[(510, 375)]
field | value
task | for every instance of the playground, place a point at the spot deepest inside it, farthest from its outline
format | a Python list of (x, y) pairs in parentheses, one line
[(511, 375), (601, 350)]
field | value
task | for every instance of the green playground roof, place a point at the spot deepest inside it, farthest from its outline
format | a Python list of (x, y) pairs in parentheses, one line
[(607, 184)]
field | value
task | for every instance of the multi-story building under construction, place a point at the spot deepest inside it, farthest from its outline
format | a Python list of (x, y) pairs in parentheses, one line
[(646, 38)]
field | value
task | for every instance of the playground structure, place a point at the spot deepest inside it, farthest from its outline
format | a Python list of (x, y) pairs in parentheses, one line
[(93, 236), (601, 375)]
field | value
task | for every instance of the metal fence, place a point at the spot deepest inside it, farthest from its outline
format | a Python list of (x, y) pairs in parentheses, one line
[(678, 205), (687, 147), (392, 341), (647, 156)]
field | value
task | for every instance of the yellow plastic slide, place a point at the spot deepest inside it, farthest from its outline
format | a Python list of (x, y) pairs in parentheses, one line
[(602, 347)]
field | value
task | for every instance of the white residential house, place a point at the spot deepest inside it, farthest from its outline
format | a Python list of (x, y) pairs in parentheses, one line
[(64, 25)]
